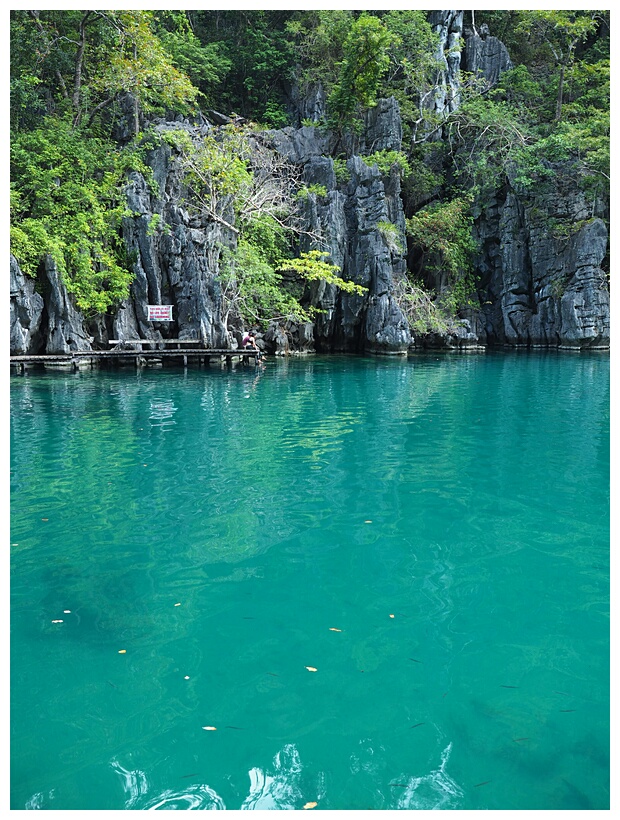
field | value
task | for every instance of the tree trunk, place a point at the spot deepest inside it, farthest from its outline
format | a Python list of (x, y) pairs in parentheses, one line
[(41, 30), (558, 106), (79, 63), (136, 108)]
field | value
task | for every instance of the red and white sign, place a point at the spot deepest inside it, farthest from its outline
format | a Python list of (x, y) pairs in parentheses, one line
[(160, 313)]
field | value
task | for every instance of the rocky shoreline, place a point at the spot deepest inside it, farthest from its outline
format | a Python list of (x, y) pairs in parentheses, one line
[(535, 289)]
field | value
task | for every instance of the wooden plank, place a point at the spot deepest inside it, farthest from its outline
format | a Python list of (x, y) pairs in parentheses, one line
[(117, 354), (154, 341), (200, 352)]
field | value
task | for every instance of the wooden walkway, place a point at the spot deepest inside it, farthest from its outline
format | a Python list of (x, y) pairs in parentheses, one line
[(198, 355)]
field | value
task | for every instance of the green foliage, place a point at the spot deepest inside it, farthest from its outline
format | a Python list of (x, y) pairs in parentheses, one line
[(235, 182), (518, 88), (341, 171), (136, 61), (260, 56), (317, 190), (391, 236), (274, 115), (269, 237), (312, 266), (176, 138), (425, 179), (62, 208), (424, 313), (442, 235), (365, 61), (386, 160), (318, 38), (484, 138), (86, 61), (253, 289), (260, 291), (154, 223), (206, 64), (413, 64), (559, 32)]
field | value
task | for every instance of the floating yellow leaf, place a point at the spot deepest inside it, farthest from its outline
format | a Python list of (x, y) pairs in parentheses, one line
[(333, 629), (310, 805), (210, 728), (122, 651), (311, 669)]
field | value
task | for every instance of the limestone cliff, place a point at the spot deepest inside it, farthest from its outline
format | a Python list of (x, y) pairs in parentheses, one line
[(537, 286), (350, 217), (178, 261), (540, 287)]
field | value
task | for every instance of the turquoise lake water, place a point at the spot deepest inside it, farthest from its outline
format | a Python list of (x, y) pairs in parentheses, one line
[(431, 535)]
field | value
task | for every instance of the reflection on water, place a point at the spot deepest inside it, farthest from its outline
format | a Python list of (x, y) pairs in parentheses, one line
[(40, 800), (280, 787), (435, 790), (162, 411)]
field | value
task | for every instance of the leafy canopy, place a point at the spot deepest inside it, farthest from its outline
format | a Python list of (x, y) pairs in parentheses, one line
[(60, 208)]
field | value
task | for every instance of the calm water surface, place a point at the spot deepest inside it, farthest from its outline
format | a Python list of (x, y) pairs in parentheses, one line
[(384, 583)]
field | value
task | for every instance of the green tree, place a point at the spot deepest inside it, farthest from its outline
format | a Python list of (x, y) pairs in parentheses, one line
[(413, 65), (61, 208), (261, 60), (441, 234), (561, 31), (84, 61), (252, 191), (318, 38), (365, 61), (206, 64)]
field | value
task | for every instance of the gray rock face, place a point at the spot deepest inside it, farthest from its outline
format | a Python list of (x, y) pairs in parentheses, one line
[(383, 129), (177, 263), (447, 95), (349, 217), (66, 329), (301, 145), (25, 314), (308, 106), (461, 337), (487, 57), (542, 289)]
